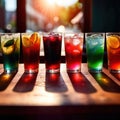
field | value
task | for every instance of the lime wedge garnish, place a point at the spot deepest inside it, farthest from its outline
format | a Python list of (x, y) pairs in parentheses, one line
[(9, 43), (8, 47)]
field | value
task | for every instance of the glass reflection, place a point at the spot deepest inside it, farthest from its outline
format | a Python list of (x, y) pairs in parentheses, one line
[(55, 83), (25, 83), (106, 82), (5, 79), (80, 83)]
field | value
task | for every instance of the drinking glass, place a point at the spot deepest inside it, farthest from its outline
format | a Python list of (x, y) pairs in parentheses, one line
[(31, 51), (113, 51), (73, 50), (10, 46), (52, 49), (95, 51)]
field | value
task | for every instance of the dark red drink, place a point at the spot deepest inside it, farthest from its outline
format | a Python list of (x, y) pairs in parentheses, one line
[(52, 48)]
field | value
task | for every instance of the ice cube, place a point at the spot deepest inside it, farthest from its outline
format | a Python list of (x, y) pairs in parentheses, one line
[(76, 41)]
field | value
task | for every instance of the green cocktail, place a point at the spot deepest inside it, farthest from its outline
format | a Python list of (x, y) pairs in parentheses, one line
[(10, 46), (95, 51)]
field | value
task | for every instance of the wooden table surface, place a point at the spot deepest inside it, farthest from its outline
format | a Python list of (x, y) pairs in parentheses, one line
[(43, 89), (59, 96)]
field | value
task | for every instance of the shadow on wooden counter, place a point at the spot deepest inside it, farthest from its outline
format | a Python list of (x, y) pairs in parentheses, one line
[(5, 79), (106, 82), (25, 83)]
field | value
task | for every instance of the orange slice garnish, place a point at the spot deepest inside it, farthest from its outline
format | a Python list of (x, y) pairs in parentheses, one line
[(26, 42), (34, 37), (113, 41)]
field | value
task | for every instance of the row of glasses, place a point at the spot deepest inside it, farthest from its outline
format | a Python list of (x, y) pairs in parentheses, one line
[(52, 42), (10, 47)]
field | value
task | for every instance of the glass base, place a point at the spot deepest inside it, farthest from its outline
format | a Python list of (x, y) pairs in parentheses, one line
[(73, 71), (10, 71), (31, 71), (114, 71), (53, 71), (95, 71)]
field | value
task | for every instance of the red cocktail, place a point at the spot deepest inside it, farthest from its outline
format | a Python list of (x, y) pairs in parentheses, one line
[(31, 50), (73, 50)]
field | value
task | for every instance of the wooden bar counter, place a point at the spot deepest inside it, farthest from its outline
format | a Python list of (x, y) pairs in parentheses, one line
[(59, 96)]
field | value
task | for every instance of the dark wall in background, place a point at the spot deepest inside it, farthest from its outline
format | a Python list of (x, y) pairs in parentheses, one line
[(106, 16)]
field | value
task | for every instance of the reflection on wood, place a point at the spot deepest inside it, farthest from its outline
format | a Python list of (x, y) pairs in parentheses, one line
[(26, 83), (55, 83), (80, 83), (106, 82), (116, 75), (5, 79), (60, 89)]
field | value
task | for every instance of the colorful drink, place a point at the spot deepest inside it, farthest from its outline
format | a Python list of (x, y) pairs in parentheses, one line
[(73, 50), (113, 51), (31, 51), (95, 51), (52, 48), (10, 46)]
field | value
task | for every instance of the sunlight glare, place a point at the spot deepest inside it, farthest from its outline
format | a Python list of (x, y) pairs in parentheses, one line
[(65, 3), (51, 2)]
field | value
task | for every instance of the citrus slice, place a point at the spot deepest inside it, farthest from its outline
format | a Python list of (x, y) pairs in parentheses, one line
[(9, 43), (113, 42), (34, 37), (26, 42), (8, 47)]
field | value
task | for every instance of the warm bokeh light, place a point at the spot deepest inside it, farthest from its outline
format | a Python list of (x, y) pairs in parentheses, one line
[(50, 2), (61, 28), (5, 77), (66, 3), (48, 15)]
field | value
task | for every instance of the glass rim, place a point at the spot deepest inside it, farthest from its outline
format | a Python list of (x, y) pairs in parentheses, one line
[(52, 33), (94, 33), (112, 33), (73, 34), (9, 33)]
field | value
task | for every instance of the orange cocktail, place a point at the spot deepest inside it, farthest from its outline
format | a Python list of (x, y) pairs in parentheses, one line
[(31, 51), (113, 51)]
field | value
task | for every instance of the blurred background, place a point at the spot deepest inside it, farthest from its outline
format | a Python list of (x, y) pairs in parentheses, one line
[(41, 15), (59, 15)]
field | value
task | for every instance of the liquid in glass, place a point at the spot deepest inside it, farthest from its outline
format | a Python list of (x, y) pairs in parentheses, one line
[(52, 49), (31, 51), (113, 51), (95, 51), (10, 46), (73, 51)]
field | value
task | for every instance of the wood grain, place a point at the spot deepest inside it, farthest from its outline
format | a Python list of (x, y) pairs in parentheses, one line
[(43, 89)]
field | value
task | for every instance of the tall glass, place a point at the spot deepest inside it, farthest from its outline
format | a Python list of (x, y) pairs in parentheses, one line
[(10, 46), (52, 48), (113, 51), (73, 50), (95, 51), (31, 51)]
